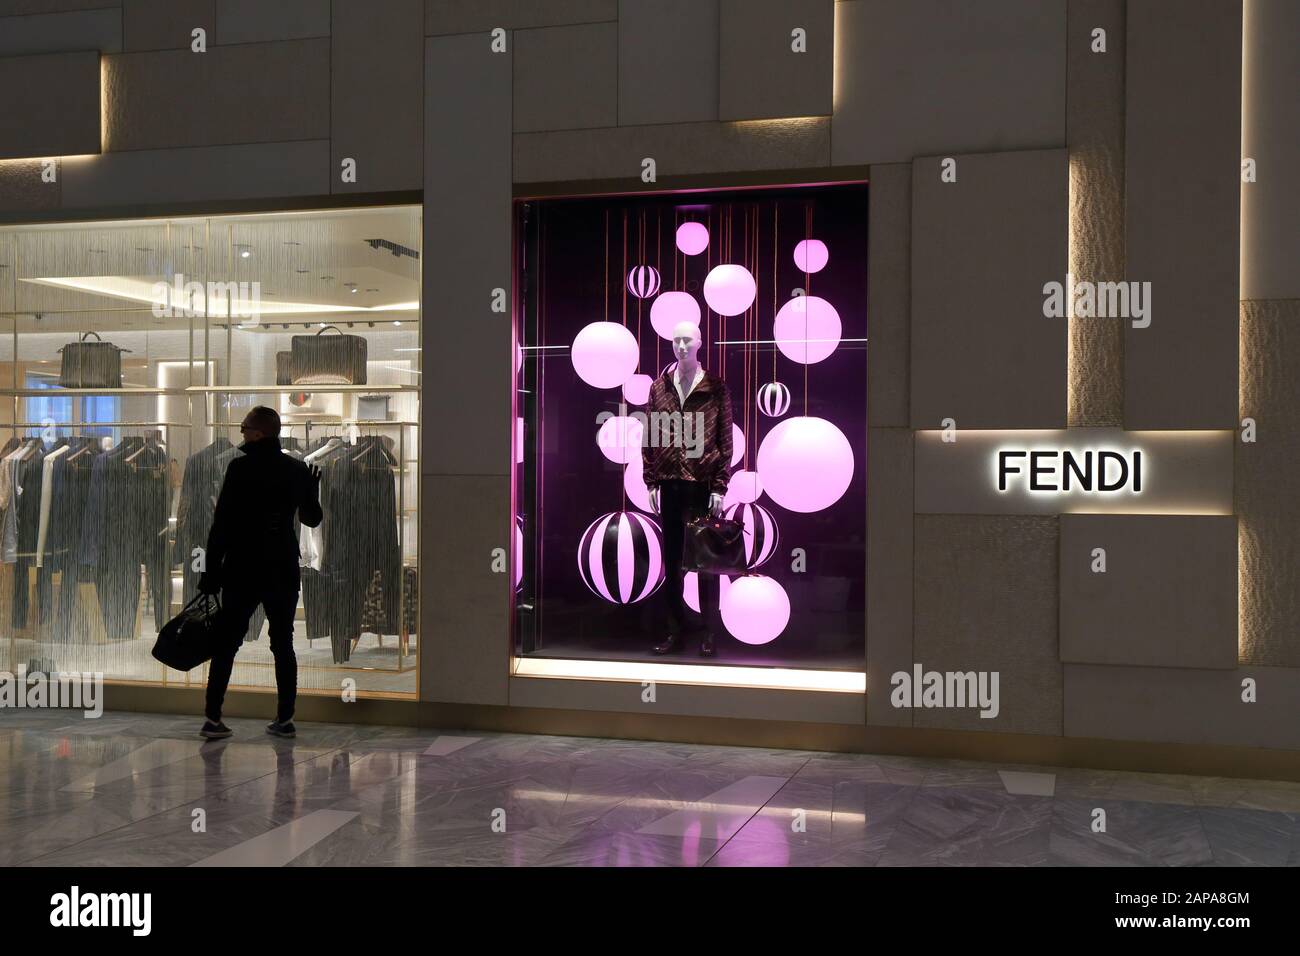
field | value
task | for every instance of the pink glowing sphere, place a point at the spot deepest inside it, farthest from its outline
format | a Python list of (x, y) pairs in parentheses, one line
[(692, 238), (636, 390), (519, 440), (691, 589), (755, 609), (807, 329), (811, 255), (729, 289), (671, 308), (737, 444), (634, 485), (604, 354), (744, 487), (643, 281), (620, 557), (619, 439), (519, 358), (761, 535), (806, 464)]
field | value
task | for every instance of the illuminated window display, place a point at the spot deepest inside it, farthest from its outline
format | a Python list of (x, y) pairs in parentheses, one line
[(130, 353), (682, 358)]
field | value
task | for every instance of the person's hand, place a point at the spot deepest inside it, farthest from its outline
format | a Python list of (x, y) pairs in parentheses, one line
[(313, 472), (208, 583), (654, 499), (715, 505)]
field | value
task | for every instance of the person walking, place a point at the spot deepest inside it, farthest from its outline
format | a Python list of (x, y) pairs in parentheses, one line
[(252, 559)]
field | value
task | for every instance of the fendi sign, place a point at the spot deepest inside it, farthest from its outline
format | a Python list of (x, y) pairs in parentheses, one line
[(1073, 471)]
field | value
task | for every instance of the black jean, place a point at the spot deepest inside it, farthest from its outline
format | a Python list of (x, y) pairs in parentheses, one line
[(680, 502), (278, 596)]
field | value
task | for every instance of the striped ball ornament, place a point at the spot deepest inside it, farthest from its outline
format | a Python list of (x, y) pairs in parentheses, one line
[(643, 281), (773, 399), (620, 557), (761, 536)]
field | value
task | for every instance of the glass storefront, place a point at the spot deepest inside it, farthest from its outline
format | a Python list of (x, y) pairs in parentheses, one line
[(129, 354), (775, 282)]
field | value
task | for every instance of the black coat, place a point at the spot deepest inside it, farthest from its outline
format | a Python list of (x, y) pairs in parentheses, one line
[(253, 525)]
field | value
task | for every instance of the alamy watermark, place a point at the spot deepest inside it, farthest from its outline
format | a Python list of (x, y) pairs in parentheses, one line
[(947, 689), (656, 430), (71, 690), (185, 300), (1099, 300)]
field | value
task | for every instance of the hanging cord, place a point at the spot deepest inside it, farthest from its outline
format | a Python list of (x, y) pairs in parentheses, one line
[(776, 226), (807, 291)]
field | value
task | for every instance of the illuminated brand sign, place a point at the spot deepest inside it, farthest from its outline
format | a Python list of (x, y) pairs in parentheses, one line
[(1073, 471), (1064, 470)]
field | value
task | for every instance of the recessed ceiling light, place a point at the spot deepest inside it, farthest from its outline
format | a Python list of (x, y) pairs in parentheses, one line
[(372, 290), (245, 254), (327, 278), (353, 290), (301, 271), (397, 323)]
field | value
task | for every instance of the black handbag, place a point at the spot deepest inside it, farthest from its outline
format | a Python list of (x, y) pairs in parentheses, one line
[(85, 364), (328, 359), (192, 636), (714, 546)]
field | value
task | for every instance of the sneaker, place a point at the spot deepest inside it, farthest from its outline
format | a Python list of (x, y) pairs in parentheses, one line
[(281, 728), (215, 731)]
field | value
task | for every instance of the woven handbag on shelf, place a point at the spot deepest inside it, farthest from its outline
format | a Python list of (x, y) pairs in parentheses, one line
[(322, 359), (86, 364)]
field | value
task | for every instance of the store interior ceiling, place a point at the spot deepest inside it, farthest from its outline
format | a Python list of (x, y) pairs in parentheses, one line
[(345, 265)]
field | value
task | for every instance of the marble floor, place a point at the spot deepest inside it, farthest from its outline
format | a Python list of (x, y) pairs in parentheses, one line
[(144, 790)]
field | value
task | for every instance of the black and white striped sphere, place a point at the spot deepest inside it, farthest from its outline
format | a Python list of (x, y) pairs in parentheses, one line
[(774, 399), (621, 557), (643, 281), (761, 536)]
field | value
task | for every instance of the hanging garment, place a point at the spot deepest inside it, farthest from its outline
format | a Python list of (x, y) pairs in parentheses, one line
[(47, 488), (199, 486), (71, 484), (27, 519)]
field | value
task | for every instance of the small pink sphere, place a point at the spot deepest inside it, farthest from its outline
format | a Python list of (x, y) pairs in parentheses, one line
[(755, 609), (636, 390), (806, 464), (604, 354), (745, 487), (643, 281), (519, 358), (692, 238), (811, 255), (619, 439), (519, 440), (729, 289), (691, 589), (807, 329), (671, 308), (519, 552)]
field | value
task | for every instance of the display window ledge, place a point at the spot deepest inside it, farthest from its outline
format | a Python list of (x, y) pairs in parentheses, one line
[(699, 675)]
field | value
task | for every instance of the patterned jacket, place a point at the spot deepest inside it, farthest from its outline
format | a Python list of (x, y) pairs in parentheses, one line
[(691, 443)]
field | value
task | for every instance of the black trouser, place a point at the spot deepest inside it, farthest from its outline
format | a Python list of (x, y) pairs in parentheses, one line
[(277, 594), (680, 502)]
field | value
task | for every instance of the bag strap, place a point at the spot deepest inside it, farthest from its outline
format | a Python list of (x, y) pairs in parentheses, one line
[(328, 327), (92, 332)]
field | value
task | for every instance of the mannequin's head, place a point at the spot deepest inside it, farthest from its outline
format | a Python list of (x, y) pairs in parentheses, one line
[(686, 342)]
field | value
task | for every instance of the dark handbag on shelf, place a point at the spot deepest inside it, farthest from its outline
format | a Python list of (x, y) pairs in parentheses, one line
[(191, 637), (714, 546), (322, 359), (86, 364), (283, 368)]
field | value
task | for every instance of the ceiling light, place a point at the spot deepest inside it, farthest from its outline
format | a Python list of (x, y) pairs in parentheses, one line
[(395, 322), (353, 291), (245, 254)]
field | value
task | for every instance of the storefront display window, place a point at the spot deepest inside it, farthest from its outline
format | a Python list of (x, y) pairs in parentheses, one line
[(129, 353), (617, 460)]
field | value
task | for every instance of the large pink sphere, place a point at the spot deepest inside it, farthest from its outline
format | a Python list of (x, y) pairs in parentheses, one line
[(519, 358), (619, 439), (807, 329), (634, 485), (636, 390), (692, 238), (519, 440), (811, 255), (806, 464), (604, 354), (737, 444), (519, 552), (761, 535), (755, 609), (691, 589), (671, 308), (729, 289), (620, 557), (744, 487)]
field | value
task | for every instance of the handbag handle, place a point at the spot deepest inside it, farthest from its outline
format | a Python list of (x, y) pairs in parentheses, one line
[(326, 328), (91, 332)]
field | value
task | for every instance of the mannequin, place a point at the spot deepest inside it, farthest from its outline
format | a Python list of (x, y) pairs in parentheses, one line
[(687, 474)]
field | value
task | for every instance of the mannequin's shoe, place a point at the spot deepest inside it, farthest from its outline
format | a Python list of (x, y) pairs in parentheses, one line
[(706, 645), (671, 646)]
